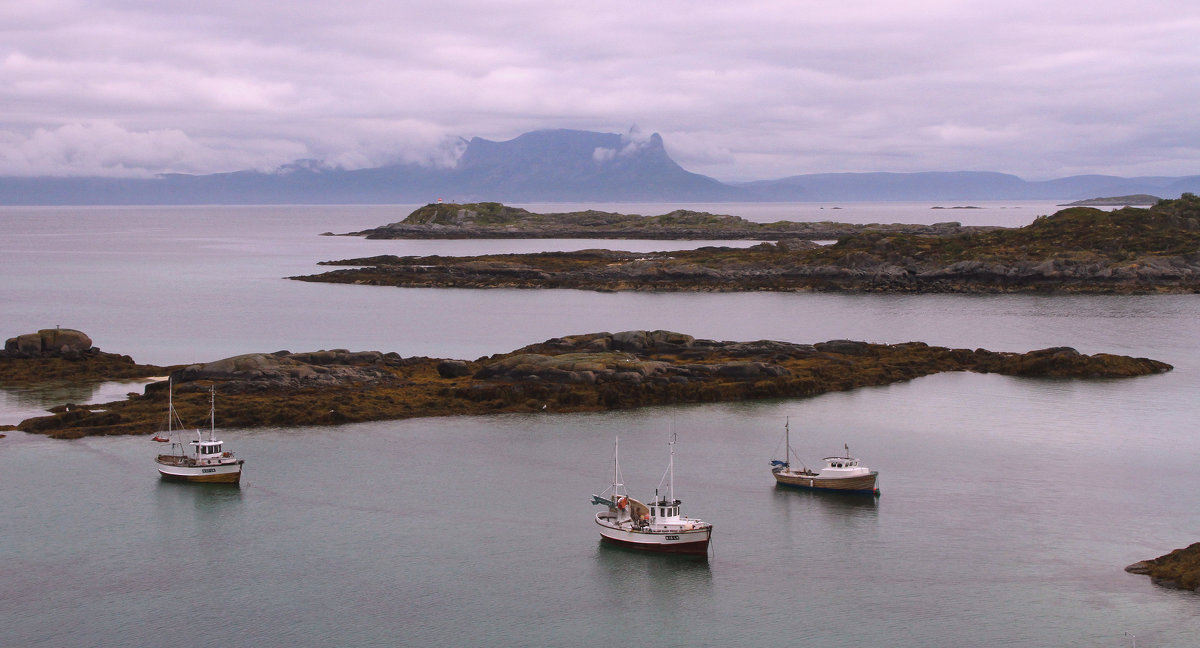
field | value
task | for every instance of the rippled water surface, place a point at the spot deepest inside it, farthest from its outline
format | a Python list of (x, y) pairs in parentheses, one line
[(1009, 506)]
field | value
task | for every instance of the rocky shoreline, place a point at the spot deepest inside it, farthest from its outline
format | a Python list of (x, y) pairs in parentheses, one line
[(1179, 569), (591, 372), (1077, 250)]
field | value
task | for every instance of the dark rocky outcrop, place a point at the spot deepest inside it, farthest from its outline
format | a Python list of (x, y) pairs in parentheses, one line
[(60, 354), (285, 370), (48, 343), (1179, 569), (1077, 250), (1116, 201), (594, 371)]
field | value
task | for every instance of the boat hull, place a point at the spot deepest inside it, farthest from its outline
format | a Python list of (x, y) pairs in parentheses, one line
[(693, 542), (857, 484), (224, 473)]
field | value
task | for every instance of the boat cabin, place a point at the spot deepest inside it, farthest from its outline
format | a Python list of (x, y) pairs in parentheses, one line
[(843, 466), (211, 452), (664, 509), (208, 447)]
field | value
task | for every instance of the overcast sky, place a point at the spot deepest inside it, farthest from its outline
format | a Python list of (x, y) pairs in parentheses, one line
[(755, 89)]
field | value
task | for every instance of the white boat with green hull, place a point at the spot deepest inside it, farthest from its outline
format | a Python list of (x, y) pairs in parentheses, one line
[(657, 526), (206, 461)]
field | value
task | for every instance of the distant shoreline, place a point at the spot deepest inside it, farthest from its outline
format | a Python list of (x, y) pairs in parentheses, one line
[(1135, 200)]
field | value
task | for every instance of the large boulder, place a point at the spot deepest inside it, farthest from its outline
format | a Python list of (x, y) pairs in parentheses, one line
[(651, 341), (453, 369), (61, 340), (55, 342), (28, 344)]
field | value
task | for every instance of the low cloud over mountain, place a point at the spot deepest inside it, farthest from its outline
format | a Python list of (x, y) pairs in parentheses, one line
[(559, 165)]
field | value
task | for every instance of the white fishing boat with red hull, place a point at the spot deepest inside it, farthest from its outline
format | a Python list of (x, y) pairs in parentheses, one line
[(206, 462), (842, 473), (657, 526)]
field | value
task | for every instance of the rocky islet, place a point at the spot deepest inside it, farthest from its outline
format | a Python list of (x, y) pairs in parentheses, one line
[(589, 372), (1077, 250)]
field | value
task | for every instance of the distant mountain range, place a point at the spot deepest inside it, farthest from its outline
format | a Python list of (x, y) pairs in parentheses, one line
[(560, 166)]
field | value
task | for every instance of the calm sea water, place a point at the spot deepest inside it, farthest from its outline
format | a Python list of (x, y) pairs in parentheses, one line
[(1009, 506)]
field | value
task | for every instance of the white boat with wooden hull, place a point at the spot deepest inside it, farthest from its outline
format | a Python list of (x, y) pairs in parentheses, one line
[(656, 527), (206, 462), (842, 473), (177, 468)]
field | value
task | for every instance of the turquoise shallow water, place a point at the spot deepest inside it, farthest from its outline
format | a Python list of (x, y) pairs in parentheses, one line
[(1009, 506)]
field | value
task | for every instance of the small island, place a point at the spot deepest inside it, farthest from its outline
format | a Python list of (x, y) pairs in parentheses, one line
[(1076, 250), (576, 373), (491, 220), (1116, 201)]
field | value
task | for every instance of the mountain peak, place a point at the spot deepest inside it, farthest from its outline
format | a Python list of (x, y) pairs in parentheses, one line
[(567, 164)]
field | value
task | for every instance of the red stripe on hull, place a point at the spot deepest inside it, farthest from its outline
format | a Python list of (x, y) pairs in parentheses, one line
[(698, 548)]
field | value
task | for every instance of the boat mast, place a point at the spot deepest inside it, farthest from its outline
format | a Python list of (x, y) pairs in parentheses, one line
[(616, 445), (170, 404), (212, 413), (787, 443), (617, 486), (671, 469)]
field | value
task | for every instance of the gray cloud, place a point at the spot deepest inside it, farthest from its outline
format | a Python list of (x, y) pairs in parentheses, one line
[(758, 89)]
